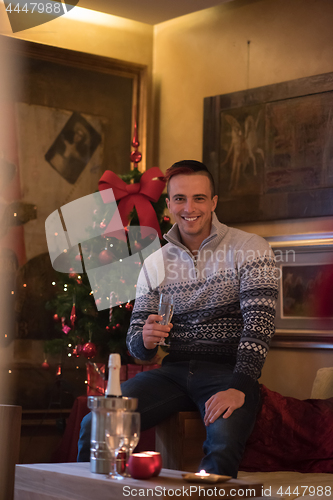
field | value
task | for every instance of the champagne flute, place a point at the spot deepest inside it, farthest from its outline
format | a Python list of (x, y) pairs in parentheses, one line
[(131, 433), (165, 309), (114, 438)]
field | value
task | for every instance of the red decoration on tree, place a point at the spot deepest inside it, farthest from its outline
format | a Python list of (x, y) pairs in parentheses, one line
[(72, 275), (129, 306), (45, 365), (137, 245), (106, 257), (55, 317), (73, 316), (135, 156), (89, 350), (138, 195), (166, 218), (78, 257), (77, 351), (66, 329)]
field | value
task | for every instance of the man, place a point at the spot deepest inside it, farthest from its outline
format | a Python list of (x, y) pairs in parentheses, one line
[(224, 289)]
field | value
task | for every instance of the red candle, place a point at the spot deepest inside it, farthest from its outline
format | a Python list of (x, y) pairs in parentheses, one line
[(157, 461), (141, 466)]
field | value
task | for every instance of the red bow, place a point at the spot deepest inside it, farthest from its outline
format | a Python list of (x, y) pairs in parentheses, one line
[(138, 195)]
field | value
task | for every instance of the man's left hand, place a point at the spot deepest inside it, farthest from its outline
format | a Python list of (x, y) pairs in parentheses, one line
[(223, 402)]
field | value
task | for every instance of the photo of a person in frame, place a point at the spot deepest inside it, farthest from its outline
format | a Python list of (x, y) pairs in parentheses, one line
[(73, 148)]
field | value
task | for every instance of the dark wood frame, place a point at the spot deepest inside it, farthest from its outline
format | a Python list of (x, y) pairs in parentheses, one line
[(307, 249), (257, 207), (99, 64)]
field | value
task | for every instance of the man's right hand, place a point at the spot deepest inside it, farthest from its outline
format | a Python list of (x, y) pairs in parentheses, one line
[(153, 332)]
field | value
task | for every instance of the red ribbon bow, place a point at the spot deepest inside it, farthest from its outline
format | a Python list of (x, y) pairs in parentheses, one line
[(138, 195)]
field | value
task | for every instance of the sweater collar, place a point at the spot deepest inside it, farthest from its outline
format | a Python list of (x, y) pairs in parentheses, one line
[(217, 232)]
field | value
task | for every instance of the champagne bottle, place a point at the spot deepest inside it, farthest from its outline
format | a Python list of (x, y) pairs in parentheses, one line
[(113, 388)]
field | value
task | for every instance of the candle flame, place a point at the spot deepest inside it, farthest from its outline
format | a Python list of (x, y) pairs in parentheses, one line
[(202, 473)]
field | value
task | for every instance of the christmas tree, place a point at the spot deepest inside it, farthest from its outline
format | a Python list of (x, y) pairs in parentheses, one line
[(80, 327)]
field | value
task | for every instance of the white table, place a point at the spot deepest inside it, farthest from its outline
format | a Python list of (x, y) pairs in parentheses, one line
[(74, 481)]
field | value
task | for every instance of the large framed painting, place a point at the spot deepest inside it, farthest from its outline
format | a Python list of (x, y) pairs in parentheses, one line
[(304, 313), (270, 150), (72, 117)]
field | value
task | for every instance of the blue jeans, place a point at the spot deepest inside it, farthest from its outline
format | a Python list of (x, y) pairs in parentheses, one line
[(186, 386)]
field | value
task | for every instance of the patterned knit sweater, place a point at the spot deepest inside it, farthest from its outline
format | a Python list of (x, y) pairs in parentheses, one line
[(224, 300)]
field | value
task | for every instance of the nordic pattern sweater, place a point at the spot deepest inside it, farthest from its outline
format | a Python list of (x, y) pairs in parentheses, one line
[(224, 301)]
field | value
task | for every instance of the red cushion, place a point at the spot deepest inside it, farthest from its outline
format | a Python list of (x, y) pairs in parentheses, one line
[(291, 434)]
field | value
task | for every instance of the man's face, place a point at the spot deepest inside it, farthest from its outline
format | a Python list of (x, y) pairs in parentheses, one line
[(191, 204)]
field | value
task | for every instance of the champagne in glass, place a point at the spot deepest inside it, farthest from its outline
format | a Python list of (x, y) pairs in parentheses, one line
[(165, 309)]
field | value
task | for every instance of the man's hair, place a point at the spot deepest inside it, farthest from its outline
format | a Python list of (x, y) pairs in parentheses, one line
[(188, 167)]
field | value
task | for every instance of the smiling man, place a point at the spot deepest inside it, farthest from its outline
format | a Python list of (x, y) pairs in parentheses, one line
[(224, 288)]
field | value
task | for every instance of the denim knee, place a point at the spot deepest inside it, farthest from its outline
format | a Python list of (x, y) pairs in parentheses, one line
[(84, 439)]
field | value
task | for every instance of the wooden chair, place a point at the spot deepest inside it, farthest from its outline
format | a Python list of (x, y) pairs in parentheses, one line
[(10, 432)]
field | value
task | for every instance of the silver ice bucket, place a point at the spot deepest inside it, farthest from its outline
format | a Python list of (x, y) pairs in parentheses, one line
[(100, 406)]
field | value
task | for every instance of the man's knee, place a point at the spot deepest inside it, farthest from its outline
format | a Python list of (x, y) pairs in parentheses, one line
[(84, 439)]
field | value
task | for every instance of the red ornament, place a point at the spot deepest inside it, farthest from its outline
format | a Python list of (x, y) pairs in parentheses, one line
[(118, 326), (135, 140), (129, 306), (102, 224), (98, 302), (55, 317), (107, 328), (136, 157), (73, 316), (89, 350), (166, 218), (106, 257), (45, 365), (137, 246), (78, 257), (79, 282), (114, 328), (72, 275)]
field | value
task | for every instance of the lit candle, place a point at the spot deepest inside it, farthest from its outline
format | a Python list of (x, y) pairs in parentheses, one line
[(202, 473), (204, 477)]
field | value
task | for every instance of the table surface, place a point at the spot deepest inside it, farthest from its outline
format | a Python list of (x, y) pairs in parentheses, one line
[(74, 481)]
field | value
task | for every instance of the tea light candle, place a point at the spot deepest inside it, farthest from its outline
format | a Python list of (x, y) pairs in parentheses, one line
[(157, 461), (202, 473), (205, 477), (141, 466)]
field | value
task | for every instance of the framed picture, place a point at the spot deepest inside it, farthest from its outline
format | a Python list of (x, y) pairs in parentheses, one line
[(304, 313), (270, 150), (74, 116)]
